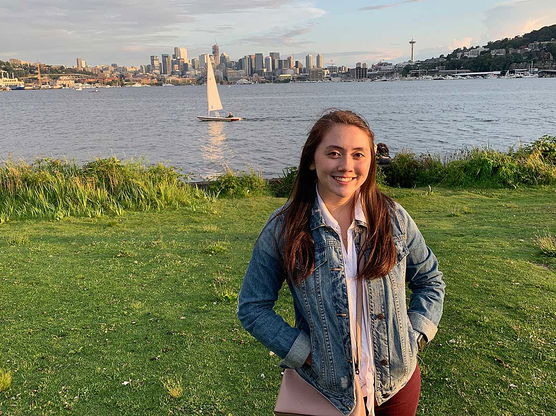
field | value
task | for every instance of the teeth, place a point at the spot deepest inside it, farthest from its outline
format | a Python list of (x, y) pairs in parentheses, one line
[(343, 179)]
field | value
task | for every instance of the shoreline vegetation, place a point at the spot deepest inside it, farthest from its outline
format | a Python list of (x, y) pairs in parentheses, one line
[(54, 189)]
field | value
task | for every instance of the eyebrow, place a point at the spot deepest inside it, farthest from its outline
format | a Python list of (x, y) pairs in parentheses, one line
[(341, 148)]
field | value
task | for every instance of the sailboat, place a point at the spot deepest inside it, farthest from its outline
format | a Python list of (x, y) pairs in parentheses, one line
[(213, 99)]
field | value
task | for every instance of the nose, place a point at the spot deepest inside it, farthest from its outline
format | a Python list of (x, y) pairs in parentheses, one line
[(346, 164)]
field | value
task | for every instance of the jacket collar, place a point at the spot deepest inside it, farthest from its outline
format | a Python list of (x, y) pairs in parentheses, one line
[(318, 217)]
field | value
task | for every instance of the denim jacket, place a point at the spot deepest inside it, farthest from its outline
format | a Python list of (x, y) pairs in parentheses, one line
[(322, 314)]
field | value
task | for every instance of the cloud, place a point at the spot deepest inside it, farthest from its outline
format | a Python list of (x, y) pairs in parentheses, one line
[(386, 6), (512, 18), (130, 30), (279, 37), (460, 43)]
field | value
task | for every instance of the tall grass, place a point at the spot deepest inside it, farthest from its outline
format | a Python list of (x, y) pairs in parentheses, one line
[(534, 164), (57, 188)]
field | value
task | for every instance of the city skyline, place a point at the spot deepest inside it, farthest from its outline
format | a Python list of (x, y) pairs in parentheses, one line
[(362, 31)]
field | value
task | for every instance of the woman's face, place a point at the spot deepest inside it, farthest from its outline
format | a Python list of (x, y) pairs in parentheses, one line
[(342, 161)]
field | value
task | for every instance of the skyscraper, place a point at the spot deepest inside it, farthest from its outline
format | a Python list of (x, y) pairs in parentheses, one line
[(216, 54), (291, 62), (155, 64), (81, 63), (268, 64), (166, 64), (180, 53), (274, 56), (320, 61), (259, 62), (309, 62), (203, 60)]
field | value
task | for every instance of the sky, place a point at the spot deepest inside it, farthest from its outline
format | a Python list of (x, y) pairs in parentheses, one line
[(128, 32)]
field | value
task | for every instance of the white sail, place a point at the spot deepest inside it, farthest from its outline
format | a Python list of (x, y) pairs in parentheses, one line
[(213, 97)]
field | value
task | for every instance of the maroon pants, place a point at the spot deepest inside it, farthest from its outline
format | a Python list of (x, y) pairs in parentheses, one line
[(404, 402)]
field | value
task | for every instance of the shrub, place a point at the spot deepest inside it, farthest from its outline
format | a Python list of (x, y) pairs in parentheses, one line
[(283, 186), (403, 170), (240, 185)]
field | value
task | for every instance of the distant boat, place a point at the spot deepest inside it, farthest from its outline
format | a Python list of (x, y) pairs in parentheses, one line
[(213, 100)]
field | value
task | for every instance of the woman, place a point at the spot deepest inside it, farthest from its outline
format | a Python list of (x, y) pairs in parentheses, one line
[(338, 227)]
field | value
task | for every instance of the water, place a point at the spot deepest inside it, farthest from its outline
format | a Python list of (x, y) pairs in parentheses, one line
[(158, 124)]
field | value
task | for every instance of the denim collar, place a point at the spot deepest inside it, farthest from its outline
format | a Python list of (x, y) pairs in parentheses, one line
[(317, 219)]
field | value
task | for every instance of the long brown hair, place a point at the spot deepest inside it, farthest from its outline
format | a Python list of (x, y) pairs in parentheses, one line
[(298, 245)]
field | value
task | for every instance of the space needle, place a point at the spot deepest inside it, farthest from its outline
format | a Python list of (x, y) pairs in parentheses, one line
[(411, 42)]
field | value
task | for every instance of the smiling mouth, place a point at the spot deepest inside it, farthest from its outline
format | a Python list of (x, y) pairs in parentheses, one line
[(344, 179)]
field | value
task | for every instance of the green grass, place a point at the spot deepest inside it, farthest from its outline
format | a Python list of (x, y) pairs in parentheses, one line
[(135, 315)]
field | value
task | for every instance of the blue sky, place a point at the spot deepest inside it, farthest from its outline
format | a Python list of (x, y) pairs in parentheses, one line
[(127, 32)]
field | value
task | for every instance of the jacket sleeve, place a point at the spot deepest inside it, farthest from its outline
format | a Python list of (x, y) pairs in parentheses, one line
[(425, 281), (257, 297)]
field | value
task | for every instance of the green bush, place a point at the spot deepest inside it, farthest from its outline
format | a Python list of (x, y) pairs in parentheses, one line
[(283, 186), (243, 184), (403, 170)]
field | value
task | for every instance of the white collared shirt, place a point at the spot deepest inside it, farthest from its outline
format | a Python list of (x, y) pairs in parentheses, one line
[(349, 254)]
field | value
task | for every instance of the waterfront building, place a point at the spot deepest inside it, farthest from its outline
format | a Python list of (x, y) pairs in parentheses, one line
[(309, 62), (216, 54), (316, 74), (180, 53), (203, 60), (259, 63), (224, 59), (81, 63), (166, 64), (320, 61), (275, 56), (155, 64), (268, 64), (291, 62)]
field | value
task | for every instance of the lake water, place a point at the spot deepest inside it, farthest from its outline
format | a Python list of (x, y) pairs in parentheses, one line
[(158, 124)]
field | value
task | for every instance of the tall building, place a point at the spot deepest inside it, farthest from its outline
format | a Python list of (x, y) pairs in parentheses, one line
[(320, 61), (180, 53), (274, 56), (203, 60), (224, 58), (216, 54), (268, 64), (81, 63), (259, 62), (166, 64), (155, 64), (291, 62), (309, 62)]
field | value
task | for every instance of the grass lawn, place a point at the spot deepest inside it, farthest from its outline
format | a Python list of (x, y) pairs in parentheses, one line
[(97, 315)]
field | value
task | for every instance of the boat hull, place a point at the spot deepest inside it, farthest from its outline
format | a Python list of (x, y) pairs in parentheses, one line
[(209, 118)]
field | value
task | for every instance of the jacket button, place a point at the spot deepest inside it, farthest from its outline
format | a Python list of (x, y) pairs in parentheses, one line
[(380, 316), (384, 362)]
